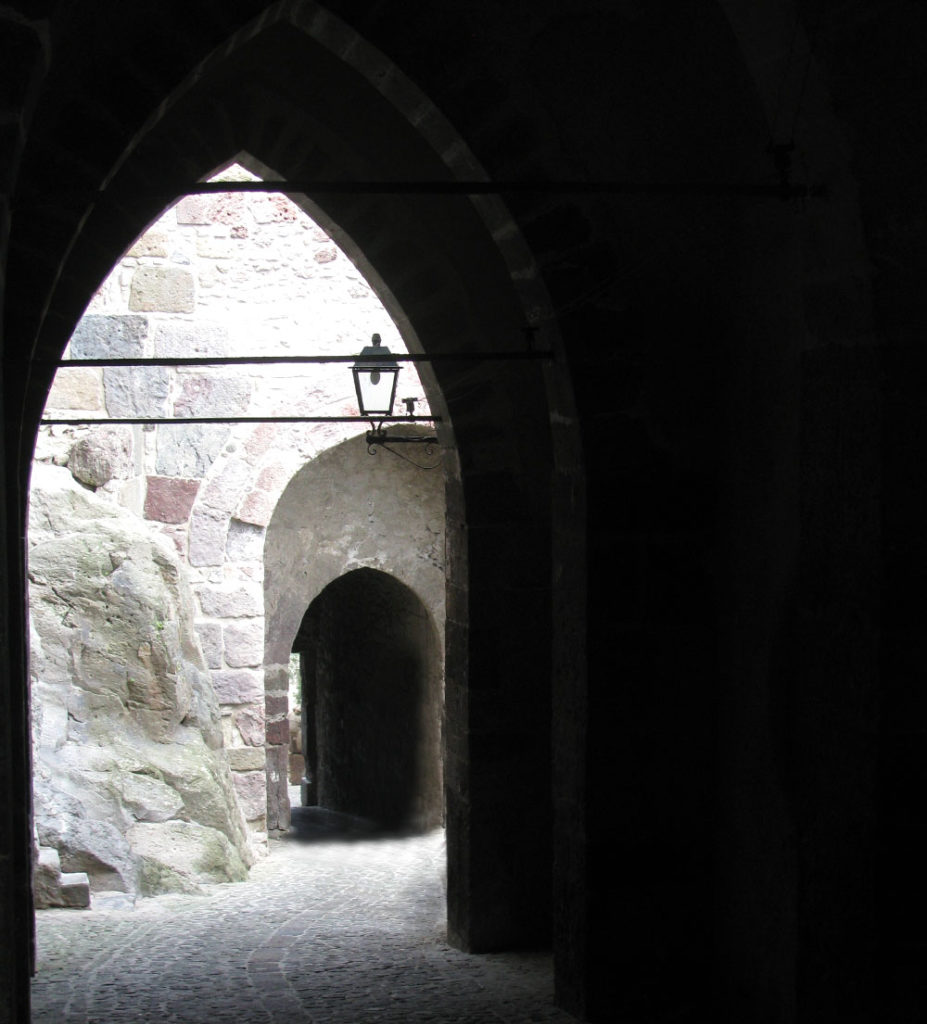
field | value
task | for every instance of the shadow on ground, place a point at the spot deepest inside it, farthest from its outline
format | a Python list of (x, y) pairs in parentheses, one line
[(317, 824)]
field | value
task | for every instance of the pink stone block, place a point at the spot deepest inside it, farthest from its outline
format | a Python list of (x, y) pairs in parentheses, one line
[(257, 508), (278, 732), (170, 499)]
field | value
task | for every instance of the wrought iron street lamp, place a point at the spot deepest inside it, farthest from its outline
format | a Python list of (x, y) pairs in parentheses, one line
[(375, 372)]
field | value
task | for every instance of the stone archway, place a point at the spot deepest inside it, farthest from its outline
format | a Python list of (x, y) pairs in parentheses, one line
[(458, 278), (344, 511), (372, 687)]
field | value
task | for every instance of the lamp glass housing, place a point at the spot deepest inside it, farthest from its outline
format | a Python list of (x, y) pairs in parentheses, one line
[(375, 372)]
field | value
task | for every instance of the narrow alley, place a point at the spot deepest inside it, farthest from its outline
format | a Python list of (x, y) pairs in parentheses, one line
[(337, 925)]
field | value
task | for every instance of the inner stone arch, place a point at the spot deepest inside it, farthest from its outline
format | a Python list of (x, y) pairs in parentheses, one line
[(372, 702), (343, 512)]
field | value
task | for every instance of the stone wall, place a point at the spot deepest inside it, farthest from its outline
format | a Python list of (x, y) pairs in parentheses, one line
[(215, 276), (132, 786)]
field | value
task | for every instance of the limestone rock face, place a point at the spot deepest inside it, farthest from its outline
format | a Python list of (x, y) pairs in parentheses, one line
[(127, 729)]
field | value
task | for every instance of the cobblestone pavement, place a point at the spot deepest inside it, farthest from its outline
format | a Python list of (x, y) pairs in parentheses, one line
[(340, 930)]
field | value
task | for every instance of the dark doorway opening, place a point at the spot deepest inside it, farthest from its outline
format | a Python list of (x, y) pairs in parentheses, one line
[(372, 703)]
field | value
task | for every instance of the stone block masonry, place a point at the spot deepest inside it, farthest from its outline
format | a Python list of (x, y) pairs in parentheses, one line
[(223, 276)]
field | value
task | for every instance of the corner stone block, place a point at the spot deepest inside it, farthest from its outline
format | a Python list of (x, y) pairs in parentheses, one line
[(170, 499), (275, 706), (277, 680), (162, 290), (278, 733), (108, 337), (278, 803)]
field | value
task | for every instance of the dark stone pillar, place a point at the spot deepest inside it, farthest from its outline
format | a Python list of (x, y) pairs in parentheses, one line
[(499, 802), (309, 788)]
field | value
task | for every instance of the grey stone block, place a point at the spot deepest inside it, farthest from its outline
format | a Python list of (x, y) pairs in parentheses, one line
[(188, 450), (136, 390), (109, 337), (161, 289)]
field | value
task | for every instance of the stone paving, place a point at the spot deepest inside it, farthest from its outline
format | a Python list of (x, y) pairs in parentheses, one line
[(337, 926)]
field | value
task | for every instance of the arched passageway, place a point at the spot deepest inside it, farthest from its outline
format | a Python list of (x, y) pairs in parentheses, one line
[(372, 702), (732, 672)]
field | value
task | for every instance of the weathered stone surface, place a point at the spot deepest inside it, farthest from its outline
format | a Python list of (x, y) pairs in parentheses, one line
[(152, 243), (172, 338), (278, 803), (207, 539), (148, 798), (297, 769), (162, 290), (97, 848), (257, 507), (177, 856), (105, 453), (109, 337), (278, 732), (77, 388), (224, 490), (244, 644), (249, 722), (245, 542), (188, 450), (210, 634), (114, 645), (204, 395), (170, 499), (194, 210), (136, 390), (241, 687), (251, 788), (244, 759), (52, 888), (231, 601), (275, 706), (277, 679)]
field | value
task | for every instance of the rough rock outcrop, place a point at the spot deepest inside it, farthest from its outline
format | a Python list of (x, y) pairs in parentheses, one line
[(132, 784)]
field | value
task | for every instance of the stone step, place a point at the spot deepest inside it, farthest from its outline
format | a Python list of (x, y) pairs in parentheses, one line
[(54, 888), (75, 889)]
